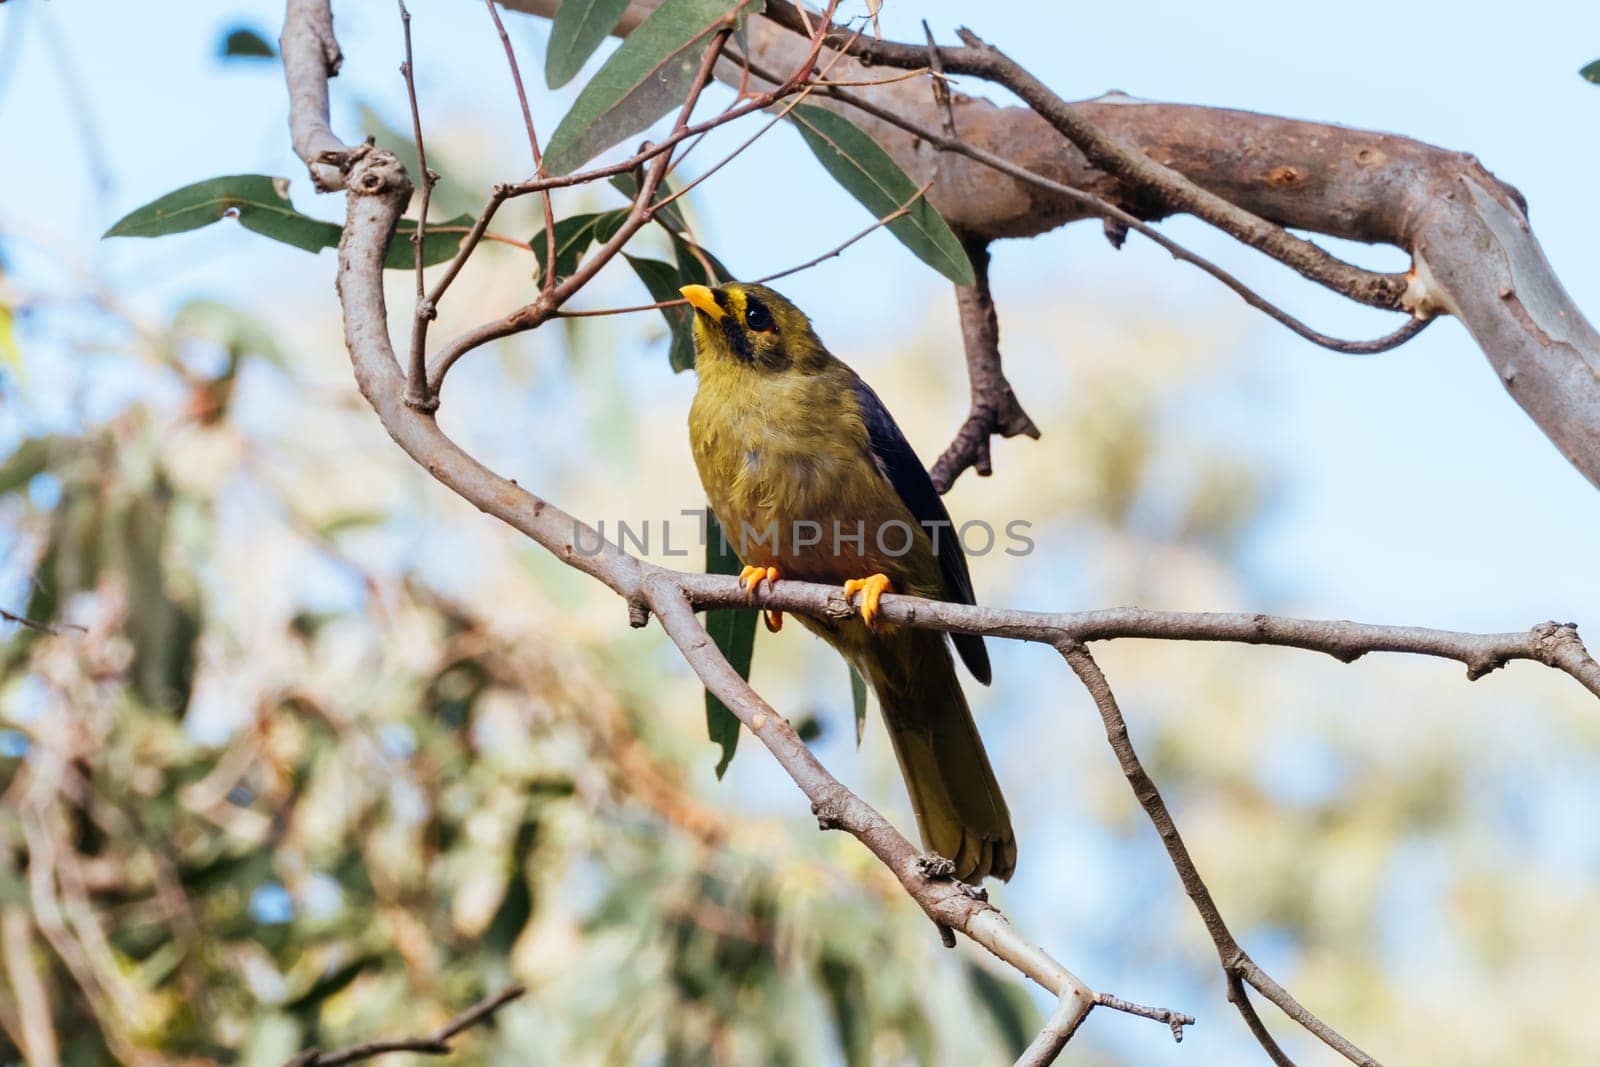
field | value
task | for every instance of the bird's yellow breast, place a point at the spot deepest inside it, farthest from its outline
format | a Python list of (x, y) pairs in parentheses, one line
[(790, 454)]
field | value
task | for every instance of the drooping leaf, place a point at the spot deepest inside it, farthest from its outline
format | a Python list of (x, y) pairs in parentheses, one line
[(734, 631), (1592, 72), (242, 42), (261, 203), (647, 76), (869, 174), (574, 235), (662, 280), (858, 697), (575, 32)]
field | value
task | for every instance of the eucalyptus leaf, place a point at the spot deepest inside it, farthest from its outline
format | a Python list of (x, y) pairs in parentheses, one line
[(734, 632), (261, 203), (662, 281), (575, 32), (574, 235), (869, 174), (647, 76)]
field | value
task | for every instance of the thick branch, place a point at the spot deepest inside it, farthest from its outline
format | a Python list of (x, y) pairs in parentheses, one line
[(310, 57), (1473, 251)]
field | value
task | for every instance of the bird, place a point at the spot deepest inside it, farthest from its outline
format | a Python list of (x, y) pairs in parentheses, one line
[(812, 480)]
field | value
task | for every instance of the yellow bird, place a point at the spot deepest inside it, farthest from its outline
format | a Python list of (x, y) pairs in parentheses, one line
[(812, 480)]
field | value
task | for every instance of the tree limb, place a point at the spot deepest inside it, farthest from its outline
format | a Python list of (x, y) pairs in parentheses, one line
[(1473, 253)]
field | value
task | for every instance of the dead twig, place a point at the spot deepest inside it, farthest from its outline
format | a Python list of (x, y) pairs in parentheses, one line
[(436, 1043)]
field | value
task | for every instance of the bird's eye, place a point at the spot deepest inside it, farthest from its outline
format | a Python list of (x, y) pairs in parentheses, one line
[(757, 318)]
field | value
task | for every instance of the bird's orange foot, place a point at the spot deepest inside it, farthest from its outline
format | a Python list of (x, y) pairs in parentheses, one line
[(751, 577), (870, 589)]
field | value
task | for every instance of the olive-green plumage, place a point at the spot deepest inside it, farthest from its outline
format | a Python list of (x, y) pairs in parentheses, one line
[(808, 473)]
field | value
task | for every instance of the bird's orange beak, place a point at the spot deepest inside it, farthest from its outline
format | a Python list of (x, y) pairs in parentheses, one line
[(703, 299)]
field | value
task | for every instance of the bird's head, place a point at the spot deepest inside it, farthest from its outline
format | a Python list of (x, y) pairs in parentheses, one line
[(750, 325)]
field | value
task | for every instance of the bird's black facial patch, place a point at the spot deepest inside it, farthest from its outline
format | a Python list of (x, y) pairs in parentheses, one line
[(738, 340)]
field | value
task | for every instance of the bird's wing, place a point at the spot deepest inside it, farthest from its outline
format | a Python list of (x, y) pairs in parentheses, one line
[(909, 477)]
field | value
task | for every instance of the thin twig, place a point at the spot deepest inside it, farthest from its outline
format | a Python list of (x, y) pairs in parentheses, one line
[(417, 393), (436, 1043), (877, 224), (533, 146), (53, 629)]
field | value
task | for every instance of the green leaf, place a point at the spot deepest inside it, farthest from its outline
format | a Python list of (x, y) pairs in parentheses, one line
[(647, 76), (574, 235), (1592, 72), (575, 32), (261, 203), (869, 174), (242, 42), (734, 631), (858, 697), (662, 281)]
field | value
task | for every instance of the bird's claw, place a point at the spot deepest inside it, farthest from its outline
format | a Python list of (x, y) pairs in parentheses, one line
[(751, 577), (870, 588)]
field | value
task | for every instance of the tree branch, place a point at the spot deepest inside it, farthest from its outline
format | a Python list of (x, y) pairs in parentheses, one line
[(995, 407), (1473, 252)]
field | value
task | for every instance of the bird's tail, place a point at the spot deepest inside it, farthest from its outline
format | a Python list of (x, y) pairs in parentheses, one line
[(959, 809)]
